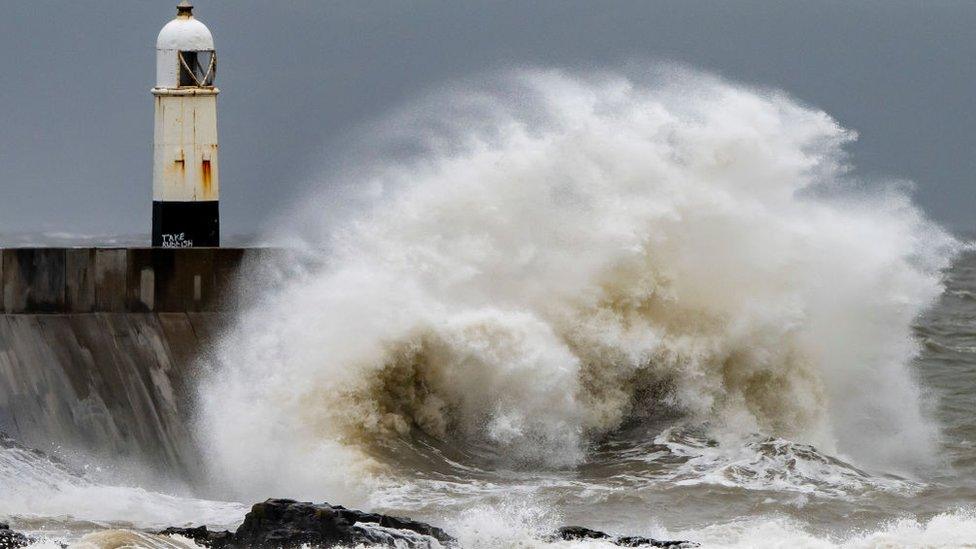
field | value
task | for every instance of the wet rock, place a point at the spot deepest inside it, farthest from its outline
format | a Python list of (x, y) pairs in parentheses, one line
[(285, 524), (216, 539), (11, 540), (577, 533), (289, 523)]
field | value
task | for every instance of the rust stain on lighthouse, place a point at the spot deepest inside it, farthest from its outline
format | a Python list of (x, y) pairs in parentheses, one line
[(207, 179)]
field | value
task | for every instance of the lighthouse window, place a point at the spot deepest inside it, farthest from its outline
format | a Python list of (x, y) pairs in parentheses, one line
[(197, 68)]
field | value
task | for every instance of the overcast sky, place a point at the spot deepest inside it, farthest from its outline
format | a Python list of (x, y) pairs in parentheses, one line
[(295, 76)]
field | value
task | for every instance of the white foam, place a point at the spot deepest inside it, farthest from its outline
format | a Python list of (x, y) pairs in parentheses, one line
[(38, 493), (116, 505), (953, 529), (756, 462), (561, 243)]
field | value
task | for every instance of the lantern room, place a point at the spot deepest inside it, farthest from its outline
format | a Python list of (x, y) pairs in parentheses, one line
[(185, 56)]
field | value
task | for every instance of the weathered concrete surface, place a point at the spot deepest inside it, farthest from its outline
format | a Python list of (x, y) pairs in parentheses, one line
[(34, 279), (116, 386), (99, 347), (86, 280)]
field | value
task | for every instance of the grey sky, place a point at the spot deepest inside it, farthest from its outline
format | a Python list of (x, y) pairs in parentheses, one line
[(76, 121)]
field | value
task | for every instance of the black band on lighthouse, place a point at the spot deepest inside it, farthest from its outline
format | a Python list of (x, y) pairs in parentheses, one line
[(186, 224)]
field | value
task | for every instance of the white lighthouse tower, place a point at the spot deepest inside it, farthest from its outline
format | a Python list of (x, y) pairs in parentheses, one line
[(185, 167)]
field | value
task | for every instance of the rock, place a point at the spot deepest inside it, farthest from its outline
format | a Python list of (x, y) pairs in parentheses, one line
[(200, 535), (576, 533), (289, 523), (285, 523), (11, 540)]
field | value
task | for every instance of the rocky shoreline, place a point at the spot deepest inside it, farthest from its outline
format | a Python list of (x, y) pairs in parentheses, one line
[(290, 524), (11, 540), (579, 533), (286, 524)]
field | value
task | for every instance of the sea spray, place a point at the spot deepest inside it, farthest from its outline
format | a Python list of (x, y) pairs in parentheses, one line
[(546, 256)]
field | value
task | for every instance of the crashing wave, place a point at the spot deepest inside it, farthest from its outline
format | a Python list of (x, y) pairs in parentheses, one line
[(547, 257)]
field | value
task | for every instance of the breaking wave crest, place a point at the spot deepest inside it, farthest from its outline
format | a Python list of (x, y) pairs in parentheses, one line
[(545, 258), (772, 464), (518, 526)]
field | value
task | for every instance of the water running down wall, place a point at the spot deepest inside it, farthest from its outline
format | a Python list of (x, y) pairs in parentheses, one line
[(98, 347)]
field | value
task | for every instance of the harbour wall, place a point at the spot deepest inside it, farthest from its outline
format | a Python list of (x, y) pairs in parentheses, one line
[(99, 347), (122, 280)]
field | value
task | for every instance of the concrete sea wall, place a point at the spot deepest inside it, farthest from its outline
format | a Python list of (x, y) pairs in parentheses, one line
[(120, 280), (99, 347)]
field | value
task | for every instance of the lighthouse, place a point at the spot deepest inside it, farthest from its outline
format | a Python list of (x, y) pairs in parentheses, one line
[(185, 168)]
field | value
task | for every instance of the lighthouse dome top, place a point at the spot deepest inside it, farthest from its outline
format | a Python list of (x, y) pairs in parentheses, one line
[(185, 56), (185, 32)]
